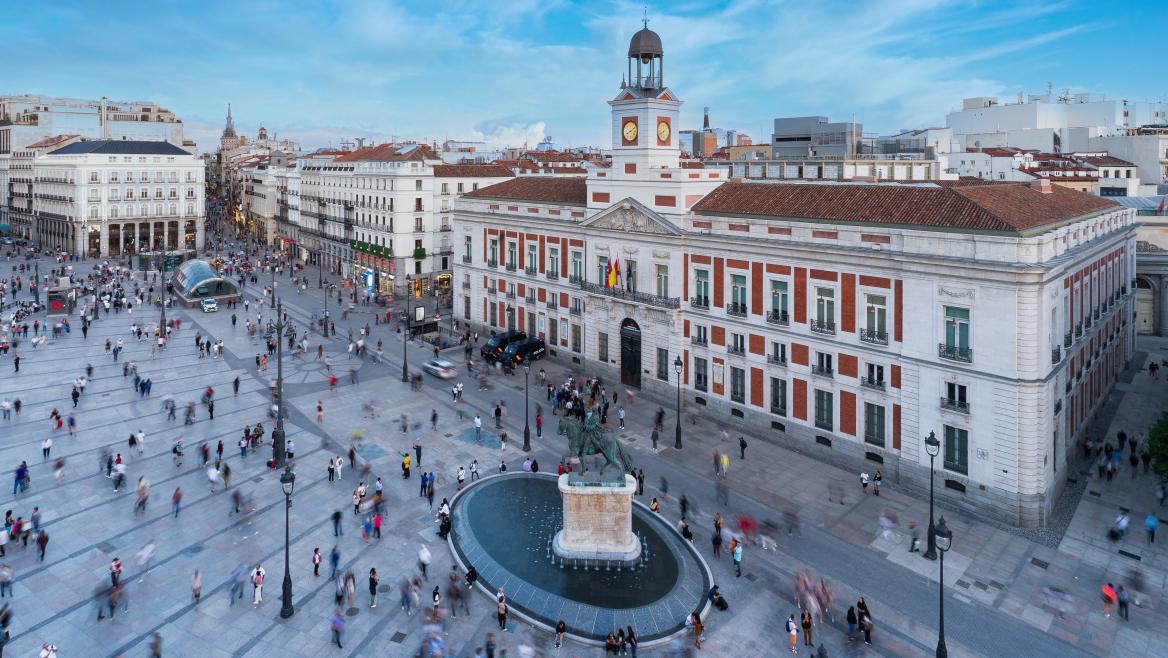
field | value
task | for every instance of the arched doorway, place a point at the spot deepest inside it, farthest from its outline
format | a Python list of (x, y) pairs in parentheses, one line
[(630, 353), (1145, 307)]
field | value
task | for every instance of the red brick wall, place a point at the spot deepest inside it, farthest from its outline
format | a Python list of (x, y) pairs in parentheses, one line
[(847, 411), (848, 307), (756, 386), (719, 282), (756, 291), (799, 398), (757, 344), (898, 311), (799, 354), (896, 427), (800, 295), (717, 335), (848, 365)]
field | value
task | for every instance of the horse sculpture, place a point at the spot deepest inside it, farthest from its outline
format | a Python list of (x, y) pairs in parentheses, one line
[(591, 438)]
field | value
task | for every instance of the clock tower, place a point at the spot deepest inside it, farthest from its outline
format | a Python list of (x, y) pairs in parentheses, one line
[(644, 113)]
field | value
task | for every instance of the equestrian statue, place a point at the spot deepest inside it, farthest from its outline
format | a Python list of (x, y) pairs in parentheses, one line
[(589, 438)]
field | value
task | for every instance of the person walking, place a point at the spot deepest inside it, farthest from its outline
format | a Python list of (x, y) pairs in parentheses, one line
[(864, 481), (865, 620), (478, 426), (197, 587), (337, 624), (741, 447), (257, 583), (373, 588), (423, 560), (852, 622), (1150, 524), (737, 557), (1107, 593), (1124, 598), (316, 560), (501, 612)]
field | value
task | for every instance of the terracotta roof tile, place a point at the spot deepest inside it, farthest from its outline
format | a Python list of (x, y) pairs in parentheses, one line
[(973, 206), (51, 141), (1106, 161), (546, 189), (390, 153), (472, 171), (552, 156)]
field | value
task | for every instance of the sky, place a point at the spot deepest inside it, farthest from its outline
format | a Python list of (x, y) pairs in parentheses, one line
[(511, 72)]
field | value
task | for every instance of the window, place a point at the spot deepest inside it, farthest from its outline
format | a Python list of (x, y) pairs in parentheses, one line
[(494, 314), (418, 187), (602, 270), (876, 374), (93, 212), (737, 344), (824, 410), (778, 353), (875, 320), (113, 212), (701, 376), (629, 274), (576, 338), (113, 177), (956, 450), (94, 177), (493, 258), (446, 188), (662, 280), (459, 188), (602, 346), (553, 333), (955, 397), (467, 248), (701, 334), (737, 385), (663, 364), (94, 195), (957, 334), (874, 424), (824, 309), (779, 301), (512, 255), (824, 362), (532, 265), (738, 293), (554, 260), (701, 288), (418, 227), (418, 204), (778, 396)]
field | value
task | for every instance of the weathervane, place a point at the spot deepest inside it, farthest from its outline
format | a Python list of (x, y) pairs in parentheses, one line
[(645, 16)]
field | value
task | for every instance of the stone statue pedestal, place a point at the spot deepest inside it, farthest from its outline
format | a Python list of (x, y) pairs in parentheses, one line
[(598, 523)]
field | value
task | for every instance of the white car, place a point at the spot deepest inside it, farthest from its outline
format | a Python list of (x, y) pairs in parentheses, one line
[(210, 305), (440, 368)]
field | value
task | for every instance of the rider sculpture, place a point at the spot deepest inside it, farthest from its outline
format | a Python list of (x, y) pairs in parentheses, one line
[(589, 438)]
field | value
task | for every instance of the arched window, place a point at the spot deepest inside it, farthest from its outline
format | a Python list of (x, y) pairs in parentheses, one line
[(93, 212)]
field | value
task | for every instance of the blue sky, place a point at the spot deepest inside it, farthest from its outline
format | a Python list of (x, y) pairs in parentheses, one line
[(517, 70)]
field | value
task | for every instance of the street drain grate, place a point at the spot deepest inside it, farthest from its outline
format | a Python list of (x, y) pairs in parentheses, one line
[(258, 478), (1131, 555), (1095, 493), (962, 583), (194, 550), (1039, 563), (996, 585), (351, 612), (980, 585), (383, 589), (751, 577), (106, 547), (398, 637)]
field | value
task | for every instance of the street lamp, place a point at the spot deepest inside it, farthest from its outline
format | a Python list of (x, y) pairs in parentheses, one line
[(944, 541), (36, 288), (677, 428), (526, 408), (279, 451), (287, 483), (406, 334), (933, 447)]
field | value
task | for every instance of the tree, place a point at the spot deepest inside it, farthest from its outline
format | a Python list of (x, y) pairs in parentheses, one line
[(1158, 445)]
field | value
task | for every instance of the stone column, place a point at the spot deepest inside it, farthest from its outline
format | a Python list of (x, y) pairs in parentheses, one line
[(103, 241), (1159, 306)]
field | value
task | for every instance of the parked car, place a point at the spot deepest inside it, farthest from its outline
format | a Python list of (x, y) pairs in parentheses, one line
[(440, 368), (496, 344), (523, 351), (210, 305)]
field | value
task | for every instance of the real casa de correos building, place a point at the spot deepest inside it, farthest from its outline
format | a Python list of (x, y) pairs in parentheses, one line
[(850, 319)]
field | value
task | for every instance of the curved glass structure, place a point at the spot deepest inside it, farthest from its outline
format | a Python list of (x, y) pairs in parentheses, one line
[(196, 279)]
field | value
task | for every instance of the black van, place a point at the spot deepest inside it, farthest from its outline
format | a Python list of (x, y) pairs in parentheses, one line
[(523, 351), (496, 344)]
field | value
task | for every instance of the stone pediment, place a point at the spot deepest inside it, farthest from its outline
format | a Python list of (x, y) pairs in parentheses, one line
[(632, 216)]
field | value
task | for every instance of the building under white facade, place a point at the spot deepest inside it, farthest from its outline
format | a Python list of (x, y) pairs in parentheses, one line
[(848, 319)]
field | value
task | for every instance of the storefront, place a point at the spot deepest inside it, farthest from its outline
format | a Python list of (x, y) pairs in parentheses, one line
[(373, 272), (443, 284)]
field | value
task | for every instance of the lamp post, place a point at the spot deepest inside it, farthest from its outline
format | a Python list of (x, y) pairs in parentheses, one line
[(944, 541), (287, 483), (319, 271), (36, 288), (162, 298), (933, 447), (677, 428), (279, 450), (526, 408), (406, 334)]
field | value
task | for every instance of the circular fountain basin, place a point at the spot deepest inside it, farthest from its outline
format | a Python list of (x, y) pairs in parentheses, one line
[(504, 525)]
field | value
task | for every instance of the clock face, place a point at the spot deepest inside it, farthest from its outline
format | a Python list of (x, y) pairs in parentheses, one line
[(663, 132), (629, 132)]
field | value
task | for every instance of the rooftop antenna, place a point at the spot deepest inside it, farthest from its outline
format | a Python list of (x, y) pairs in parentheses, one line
[(645, 16)]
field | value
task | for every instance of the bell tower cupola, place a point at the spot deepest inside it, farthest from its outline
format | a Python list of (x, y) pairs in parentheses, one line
[(645, 111), (646, 60)]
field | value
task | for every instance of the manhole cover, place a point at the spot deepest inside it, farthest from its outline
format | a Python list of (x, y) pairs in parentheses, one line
[(106, 547), (258, 478), (383, 588), (751, 577), (351, 612), (398, 637)]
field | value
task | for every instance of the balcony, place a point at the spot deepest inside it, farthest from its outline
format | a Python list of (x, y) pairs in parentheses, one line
[(699, 303), (778, 410), (700, 341), (445, 249), (1087, 322), (822, 371), (1056, 354), (1097, 314), (530, 271), (467, 259), (1058, 407), (493, 264), (445, 228), (529, 298), (510, 294), (777, 360), (874, 384), (575, 279), (576, 309), (736, 351), (874, 337), (632, 296), (1079, 330), (511, 267), (551, 304), (1068, 339), (955, 353), (781, 318), (466, 285), (951, 404), (822, 327), (492, 290), (737, 310), (552, 275)]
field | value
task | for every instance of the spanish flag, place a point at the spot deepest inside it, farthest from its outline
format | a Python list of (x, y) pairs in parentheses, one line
[(613, 274)]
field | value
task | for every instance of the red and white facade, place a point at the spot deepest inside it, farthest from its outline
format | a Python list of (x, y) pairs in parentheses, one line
[(851, 319)]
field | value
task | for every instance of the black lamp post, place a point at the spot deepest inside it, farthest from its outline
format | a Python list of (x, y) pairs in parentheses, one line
[(162, 297), (677, 428), (406, 334), (279, 449), (36, 288), (933, 447), (287, 483), (944, 541), (526, 407), (319, 271)]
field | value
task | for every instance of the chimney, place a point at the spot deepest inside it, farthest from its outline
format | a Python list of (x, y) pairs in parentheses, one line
[(104, 123), (705, 118), (1040, 184)]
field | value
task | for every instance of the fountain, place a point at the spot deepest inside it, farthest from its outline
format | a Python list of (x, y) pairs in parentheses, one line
[(628, 566)]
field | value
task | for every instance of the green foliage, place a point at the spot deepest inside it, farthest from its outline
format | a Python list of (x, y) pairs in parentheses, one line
[(1158, 445)]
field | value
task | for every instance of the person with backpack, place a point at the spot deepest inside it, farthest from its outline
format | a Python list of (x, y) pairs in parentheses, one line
[(257, 583), (793, 632)]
